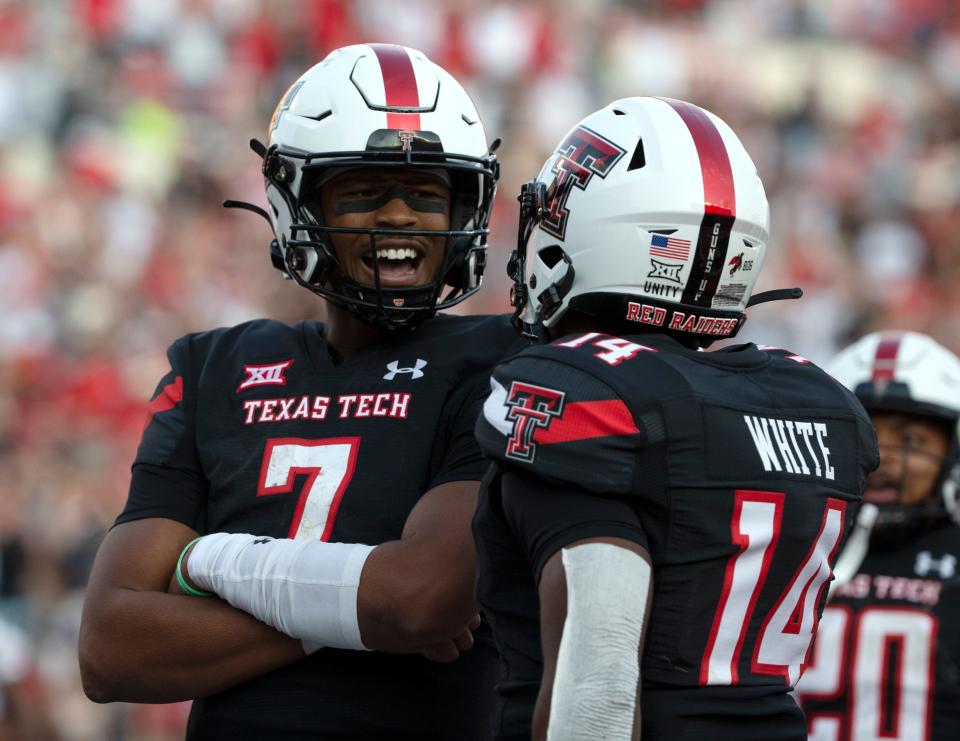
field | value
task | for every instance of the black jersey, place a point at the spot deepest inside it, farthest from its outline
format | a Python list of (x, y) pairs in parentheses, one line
[(738, 470), (256, 429), (886, 660)]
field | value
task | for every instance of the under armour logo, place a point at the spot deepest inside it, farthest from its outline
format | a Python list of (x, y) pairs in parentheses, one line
[(265, 375), (945, 566), (394, 367)]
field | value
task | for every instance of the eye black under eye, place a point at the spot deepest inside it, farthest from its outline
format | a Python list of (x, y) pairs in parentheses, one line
[(414, 199)]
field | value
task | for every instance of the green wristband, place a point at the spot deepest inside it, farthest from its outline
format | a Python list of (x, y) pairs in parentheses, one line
[(183, 582)]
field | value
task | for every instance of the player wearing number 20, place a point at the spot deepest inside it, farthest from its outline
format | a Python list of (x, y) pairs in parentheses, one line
[(886, 661), (656, 536), (332, 467)]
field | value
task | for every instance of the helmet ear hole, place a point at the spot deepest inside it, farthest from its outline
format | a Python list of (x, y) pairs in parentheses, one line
[(551, 255)]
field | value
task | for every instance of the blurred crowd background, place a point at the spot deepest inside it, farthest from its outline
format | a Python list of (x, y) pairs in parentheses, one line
[(124, 124)]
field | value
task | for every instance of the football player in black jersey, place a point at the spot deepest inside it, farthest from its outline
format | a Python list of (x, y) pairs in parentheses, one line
[(656, 535), (332, 468), (886, 661)]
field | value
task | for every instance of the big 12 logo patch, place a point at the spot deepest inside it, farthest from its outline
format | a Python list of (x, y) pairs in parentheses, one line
[(530, 407), (583, 154)]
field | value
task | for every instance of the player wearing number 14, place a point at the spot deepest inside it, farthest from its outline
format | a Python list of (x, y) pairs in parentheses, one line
[(657, 533)]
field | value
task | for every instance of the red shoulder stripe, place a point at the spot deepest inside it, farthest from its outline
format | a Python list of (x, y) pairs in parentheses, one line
[(583, 420), (169, 396)]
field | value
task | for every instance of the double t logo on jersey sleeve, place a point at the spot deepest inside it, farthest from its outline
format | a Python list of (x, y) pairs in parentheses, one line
[(535, 426), (530, 407)]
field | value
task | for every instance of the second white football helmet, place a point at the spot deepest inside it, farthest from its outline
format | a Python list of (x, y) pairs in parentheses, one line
[(650, 211), (910, 373)]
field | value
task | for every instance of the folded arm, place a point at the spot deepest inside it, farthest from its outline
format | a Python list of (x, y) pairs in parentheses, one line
[(140, 644), (412, 594)]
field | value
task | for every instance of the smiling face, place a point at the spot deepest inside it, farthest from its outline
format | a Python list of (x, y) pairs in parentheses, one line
[(366, 198), (912, 450)]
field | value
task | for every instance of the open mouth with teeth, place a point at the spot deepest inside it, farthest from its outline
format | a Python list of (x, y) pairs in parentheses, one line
[(396, 265)]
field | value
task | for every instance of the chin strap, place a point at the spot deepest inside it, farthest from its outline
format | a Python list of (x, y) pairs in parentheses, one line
[(252, 207), (259, 148), (855, 550), (777, 294), (276, 254)]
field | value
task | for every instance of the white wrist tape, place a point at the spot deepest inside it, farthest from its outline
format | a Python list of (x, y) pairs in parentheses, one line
[(598, 666), (304, 588)]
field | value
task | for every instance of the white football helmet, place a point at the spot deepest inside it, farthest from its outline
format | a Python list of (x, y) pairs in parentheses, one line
[(909, 373), (650, 211), (377, 105)]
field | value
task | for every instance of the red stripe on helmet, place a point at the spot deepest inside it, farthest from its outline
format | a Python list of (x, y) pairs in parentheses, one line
[(719, 204), (718, 192), (885, 359), (399, 85)]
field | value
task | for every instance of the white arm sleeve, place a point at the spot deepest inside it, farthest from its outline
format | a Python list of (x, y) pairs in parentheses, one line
[(304, 588), (598, 665)]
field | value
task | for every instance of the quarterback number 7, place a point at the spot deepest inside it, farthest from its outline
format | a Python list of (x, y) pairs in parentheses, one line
[(328, 463)]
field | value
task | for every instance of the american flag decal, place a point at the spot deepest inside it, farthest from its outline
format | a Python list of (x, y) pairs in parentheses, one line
[(671, 248)]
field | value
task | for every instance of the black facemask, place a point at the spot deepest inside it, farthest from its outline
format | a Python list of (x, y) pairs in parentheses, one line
[(896, 521)]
